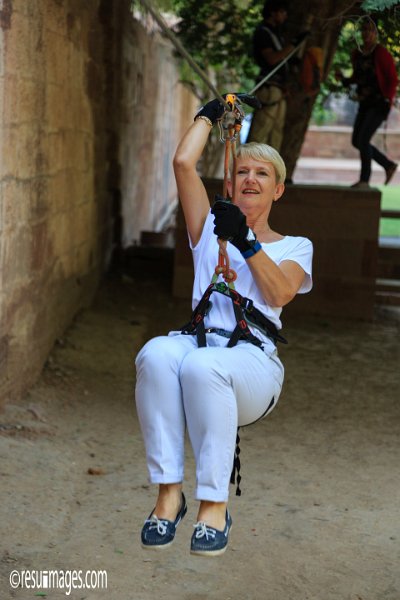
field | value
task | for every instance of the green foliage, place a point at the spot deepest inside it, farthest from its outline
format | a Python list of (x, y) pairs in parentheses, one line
[(322, 115), (219, 37), (377, 5)]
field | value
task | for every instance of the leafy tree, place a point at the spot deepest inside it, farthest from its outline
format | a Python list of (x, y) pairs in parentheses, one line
[(378, 5), (219, 37)]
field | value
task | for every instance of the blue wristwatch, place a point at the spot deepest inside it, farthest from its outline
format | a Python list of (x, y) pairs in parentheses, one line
[(253, 245)]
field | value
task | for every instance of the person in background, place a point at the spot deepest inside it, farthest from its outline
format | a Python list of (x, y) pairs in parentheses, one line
[(375, 77), (269, 50)]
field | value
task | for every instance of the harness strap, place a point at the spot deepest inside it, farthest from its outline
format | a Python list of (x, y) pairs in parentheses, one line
[(201, 335), (239, 303), (241, 330), (245, 313)]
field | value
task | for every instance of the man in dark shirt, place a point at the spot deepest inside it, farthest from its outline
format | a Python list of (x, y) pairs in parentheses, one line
[(269, 50)]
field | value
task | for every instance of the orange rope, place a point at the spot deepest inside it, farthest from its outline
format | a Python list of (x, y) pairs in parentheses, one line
[(234, 128), (234, 170), (223, 267)]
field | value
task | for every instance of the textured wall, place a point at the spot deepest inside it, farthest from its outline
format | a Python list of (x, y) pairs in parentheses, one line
[(54, 200), (156, 109), (89, 105)]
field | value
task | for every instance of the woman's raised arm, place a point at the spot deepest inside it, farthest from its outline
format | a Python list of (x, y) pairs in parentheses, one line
[(192, 193)]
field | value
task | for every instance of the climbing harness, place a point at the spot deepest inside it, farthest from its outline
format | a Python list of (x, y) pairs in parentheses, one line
[(245, 313), (273, 103)]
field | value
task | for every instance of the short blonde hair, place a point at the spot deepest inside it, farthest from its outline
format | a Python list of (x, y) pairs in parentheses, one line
[(265, 153)]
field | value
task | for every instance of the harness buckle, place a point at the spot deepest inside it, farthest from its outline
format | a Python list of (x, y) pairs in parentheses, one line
[(248, 304)]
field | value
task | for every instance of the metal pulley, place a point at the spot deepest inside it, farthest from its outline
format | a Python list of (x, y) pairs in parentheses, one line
[(231, 122)]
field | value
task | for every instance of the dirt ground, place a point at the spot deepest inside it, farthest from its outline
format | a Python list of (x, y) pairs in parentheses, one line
[(319, 515)]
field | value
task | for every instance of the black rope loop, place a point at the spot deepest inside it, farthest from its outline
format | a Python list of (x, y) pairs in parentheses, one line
[(235, 475)]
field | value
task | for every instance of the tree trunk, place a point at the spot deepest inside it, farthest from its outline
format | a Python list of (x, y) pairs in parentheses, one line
[(324, 20)]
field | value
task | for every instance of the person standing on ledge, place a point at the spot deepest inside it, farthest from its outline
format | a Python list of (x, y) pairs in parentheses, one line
[(374, 74), (269, 50)]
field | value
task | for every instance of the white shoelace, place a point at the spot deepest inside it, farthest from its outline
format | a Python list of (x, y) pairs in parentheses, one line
[(159, 524), (203, 531)]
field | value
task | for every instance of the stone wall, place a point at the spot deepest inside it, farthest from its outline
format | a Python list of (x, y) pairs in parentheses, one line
[(156, 110), (55, 215), (334, 141), (77, 146)]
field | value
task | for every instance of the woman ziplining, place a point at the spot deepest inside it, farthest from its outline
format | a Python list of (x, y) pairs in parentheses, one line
[(222, 370)]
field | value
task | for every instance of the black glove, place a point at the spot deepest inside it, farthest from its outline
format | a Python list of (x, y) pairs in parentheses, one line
[(213, 110), (300, 37), (230, 224)]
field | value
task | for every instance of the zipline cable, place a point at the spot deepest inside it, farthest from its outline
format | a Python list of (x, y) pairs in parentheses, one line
[(160, 21), (278, 66)]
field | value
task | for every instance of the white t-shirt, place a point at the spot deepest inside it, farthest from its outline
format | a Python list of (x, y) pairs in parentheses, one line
[(205, 258)]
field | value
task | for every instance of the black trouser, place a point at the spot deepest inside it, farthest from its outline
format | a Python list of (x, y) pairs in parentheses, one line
[(367, 122)]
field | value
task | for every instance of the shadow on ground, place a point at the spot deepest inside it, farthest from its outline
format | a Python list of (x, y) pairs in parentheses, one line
[(318, 518)]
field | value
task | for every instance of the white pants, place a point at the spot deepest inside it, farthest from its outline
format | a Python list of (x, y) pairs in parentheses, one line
[(210, 390)]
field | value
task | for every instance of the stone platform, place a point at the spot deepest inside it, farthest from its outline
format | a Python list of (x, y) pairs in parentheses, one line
[(313, 170)]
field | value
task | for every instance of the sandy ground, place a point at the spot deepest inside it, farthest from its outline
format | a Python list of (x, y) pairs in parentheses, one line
[(319, 515)]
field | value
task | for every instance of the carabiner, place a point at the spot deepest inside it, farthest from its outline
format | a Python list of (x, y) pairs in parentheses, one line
[(231, 122)]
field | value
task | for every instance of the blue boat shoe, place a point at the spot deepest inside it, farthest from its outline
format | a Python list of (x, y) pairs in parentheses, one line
[(158, 533), (207, 541)]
